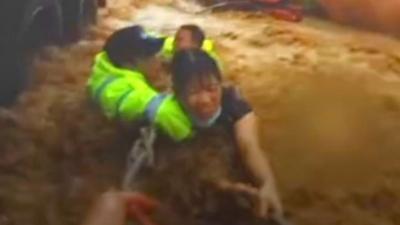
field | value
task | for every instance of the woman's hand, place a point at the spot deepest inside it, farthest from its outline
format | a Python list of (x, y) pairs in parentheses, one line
[(258, 164), (266, 197), (270, 205)]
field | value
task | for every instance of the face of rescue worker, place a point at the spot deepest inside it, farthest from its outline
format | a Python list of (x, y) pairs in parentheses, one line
[(153, 68), (184, 40), (203, 98)]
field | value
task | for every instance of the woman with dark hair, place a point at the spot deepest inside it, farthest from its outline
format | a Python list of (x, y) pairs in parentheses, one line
[(197, 84)]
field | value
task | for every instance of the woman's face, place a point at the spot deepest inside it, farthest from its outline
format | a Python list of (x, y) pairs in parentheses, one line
[(155, 71), (203, 98)]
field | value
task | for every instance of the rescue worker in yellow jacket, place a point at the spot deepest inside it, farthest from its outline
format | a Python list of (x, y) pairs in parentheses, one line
[(121, 83)]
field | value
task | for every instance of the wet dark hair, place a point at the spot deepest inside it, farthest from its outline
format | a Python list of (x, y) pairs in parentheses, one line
[(197, 33), (192, 64), (130, 44)]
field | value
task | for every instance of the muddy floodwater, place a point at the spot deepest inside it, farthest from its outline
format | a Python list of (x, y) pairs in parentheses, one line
[(328, 98)]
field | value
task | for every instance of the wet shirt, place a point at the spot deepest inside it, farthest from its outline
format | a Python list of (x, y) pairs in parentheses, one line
[(234, 107)]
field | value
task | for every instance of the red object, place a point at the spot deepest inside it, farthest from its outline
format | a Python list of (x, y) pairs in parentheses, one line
[(140, 208), (286, 14), (282, 9), (269, 1), (140, 215)]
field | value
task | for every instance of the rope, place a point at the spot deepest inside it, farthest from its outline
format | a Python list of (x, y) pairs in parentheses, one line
[(140, 156), (210, 8)]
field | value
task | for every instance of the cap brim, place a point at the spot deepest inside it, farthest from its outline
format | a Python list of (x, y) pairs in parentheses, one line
[(154, 45)]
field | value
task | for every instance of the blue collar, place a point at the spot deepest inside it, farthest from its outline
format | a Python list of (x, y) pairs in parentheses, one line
[(206, 123)]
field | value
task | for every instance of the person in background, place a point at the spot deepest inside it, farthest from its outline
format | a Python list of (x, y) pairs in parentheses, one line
[(188, 36)]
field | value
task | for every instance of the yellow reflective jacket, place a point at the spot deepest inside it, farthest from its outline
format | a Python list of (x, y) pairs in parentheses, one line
[(125, 94)]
